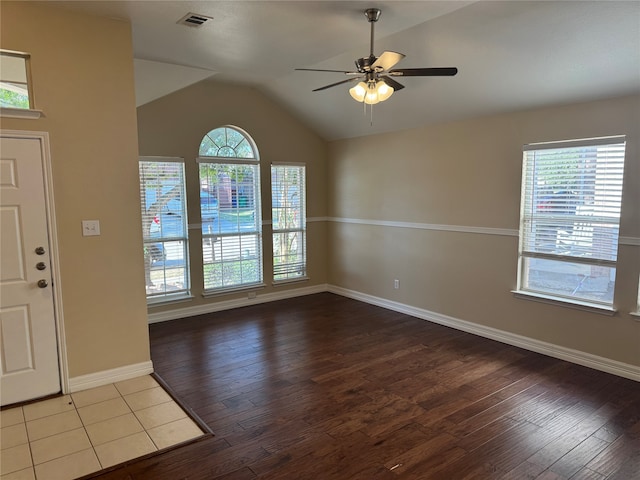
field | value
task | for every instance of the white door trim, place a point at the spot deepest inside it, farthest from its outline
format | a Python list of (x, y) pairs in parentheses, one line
[(43, 138)]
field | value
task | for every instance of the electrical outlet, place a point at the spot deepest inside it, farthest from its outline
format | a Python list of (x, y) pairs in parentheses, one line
[(396, 284), (252, 295), (90, 228)]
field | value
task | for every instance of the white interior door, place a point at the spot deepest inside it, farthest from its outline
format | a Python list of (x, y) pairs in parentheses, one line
[(29, 365)]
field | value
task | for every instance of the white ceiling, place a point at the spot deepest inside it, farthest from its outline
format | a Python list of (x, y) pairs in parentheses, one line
[(511, 55)]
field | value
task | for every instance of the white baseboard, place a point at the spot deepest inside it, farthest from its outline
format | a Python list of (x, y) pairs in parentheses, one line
[(574, 356), (234, 303), (91, 380)]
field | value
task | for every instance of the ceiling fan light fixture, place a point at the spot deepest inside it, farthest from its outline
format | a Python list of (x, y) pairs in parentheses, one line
[(373, 92), (384, 90), (359, 92), (372, 97)]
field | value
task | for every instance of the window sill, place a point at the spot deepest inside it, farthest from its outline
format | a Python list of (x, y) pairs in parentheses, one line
[(278, 283), (9, 112), (225, 291), (635, 314), (159, 301), (564, 302)]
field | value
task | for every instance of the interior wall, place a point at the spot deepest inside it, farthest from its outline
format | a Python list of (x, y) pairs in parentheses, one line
[(175, 125), (82, 74), (463, 179)]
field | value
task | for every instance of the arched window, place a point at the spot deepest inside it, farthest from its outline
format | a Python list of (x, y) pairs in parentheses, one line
[(230, 210), (228, 142)]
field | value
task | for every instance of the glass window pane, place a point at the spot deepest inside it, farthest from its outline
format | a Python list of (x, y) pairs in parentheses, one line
[(232, 261), (569, 279), (167, 269), (14, 84)]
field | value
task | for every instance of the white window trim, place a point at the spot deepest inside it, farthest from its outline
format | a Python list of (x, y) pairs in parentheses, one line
[(227, 160), (565, 302), (26, 113)]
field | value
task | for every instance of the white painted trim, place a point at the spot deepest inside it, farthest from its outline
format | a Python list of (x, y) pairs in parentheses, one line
[(565, 302), (155, 158), (635, 241), (509, 232), (234, 303), (428, 226), (574, 356), (97, 379), (26, 113), (54, 255)]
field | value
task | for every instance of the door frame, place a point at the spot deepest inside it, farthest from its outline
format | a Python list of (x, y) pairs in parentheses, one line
[(52, 236)]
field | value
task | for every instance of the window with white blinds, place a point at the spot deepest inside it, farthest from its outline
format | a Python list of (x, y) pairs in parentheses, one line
[(569, 220), (288, 213), (230, 210), (164, 227)]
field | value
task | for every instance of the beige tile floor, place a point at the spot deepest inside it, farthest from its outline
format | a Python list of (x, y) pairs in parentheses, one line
[(73, 435)]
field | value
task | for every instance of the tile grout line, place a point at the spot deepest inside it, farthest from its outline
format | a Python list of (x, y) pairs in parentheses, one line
[(121, 396)]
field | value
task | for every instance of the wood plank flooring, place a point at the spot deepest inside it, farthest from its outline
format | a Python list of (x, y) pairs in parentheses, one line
[(323, 387)]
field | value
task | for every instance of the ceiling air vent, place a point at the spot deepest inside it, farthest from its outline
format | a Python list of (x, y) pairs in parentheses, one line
[(194, 20)]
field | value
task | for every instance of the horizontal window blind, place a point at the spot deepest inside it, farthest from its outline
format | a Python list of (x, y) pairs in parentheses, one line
[(575, 193), (288, 213)]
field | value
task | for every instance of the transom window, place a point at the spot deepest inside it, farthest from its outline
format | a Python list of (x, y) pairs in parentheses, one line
[(570, 216), (14, 80), (230, 211)]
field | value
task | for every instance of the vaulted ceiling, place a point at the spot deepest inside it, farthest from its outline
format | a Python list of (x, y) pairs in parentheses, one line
[(511, 55)]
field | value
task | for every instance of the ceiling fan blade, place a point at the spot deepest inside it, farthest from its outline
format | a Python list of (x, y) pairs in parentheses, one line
[(424, 72), (320, 70), (387, 60), (392, 83), (337, 83)]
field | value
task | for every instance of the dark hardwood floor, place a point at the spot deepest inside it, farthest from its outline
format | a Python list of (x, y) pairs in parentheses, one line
[(323, 387)]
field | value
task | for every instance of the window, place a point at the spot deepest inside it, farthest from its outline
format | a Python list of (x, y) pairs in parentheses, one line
[(14, 83), (164, 227), (569, 222), (230, 210), (288, 213)]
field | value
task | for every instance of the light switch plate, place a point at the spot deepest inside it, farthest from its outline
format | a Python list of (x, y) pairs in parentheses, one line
[(90, 228)]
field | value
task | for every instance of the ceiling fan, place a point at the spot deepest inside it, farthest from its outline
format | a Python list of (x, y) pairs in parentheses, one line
[(374, 73)]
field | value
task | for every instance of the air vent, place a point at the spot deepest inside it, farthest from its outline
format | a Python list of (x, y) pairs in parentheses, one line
[(194, 20)]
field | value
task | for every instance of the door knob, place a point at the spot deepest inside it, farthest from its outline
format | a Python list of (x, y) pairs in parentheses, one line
[(42, 283), (40, 250), (41, 266)]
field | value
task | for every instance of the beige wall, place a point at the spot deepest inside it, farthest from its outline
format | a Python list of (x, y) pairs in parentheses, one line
[(460, 174), (82, 72), (175, 125), (468, 174)]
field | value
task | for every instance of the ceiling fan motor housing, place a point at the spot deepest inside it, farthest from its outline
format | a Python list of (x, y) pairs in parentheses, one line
[(364, 64)]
